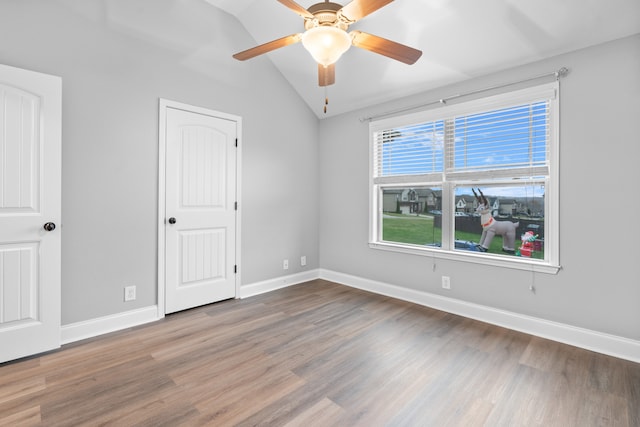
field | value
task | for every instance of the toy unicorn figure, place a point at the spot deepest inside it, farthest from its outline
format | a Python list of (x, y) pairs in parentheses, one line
[(491, 227)]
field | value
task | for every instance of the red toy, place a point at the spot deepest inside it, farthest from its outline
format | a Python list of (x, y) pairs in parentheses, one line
[(527, 243)]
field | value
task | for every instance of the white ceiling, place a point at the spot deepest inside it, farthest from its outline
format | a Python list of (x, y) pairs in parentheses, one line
[(460, 39)]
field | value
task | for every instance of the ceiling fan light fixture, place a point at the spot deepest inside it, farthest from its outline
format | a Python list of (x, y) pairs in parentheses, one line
[(326, 43)]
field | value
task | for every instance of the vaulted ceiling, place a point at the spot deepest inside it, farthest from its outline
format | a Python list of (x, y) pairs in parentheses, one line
[(460, 39)]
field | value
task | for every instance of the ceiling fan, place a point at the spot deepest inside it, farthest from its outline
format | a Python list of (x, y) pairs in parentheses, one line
[(326, 36)]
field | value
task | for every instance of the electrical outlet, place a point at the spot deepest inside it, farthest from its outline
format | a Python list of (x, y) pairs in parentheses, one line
[(285, 264), (446, 282), (303, 260), (129, 293)]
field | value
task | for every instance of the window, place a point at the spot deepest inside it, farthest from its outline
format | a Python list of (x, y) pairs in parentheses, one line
[(475, 181)]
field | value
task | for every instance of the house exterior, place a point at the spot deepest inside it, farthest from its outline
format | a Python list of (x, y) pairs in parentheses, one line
[(466, 204), (411, 200)]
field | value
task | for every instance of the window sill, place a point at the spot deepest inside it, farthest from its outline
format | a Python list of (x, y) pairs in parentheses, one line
[(516, 263)]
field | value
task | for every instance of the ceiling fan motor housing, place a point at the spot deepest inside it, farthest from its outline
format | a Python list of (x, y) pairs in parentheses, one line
[(326, 14)]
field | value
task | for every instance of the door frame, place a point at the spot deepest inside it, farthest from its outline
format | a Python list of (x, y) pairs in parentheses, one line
[(164, 104)]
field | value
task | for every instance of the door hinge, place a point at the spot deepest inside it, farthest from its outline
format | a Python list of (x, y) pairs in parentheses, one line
[(235, 206), (235, 268), (236, 142)]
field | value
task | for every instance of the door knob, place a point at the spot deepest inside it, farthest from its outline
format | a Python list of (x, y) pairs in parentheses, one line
[(49, 226), (172, 220)]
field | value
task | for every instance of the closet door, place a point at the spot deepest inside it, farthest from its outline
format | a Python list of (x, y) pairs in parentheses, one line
[(200, 213)]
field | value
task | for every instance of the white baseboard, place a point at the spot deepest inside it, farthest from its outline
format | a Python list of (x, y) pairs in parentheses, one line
[(112, 323), (104, 325), (278, 283), (611, 345)]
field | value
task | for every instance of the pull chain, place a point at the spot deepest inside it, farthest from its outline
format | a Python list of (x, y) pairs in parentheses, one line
[(326, 100)]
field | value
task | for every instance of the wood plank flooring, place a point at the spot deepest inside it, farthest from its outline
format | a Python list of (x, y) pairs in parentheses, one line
[(319, 354)]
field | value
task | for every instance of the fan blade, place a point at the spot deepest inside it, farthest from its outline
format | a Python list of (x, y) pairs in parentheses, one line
[(385, 47), (326, 75), (267, 47), (358, 9), (297, 8)]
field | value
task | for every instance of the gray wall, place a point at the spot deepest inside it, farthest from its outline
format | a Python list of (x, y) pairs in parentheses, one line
[(598, 287), (116, 59)]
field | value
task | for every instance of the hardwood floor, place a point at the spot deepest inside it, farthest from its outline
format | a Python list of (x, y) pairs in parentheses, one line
[(319, 354)]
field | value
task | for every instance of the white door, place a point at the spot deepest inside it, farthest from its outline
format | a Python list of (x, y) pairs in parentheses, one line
[(30, 133), (200, 209)]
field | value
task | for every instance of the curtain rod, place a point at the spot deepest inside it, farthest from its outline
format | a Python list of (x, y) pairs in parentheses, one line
[(558, 74)]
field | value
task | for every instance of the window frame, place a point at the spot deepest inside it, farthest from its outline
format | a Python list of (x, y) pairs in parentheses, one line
[(449, 181)]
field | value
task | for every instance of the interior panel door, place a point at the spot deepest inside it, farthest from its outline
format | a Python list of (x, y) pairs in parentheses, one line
[(200, 215), (30, 211)]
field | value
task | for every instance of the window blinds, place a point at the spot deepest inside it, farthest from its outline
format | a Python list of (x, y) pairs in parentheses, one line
[(510, 141), (410, 150)]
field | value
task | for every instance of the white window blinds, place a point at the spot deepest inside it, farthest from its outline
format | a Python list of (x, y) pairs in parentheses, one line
[(514, 138), (509, 141), (410, 150)]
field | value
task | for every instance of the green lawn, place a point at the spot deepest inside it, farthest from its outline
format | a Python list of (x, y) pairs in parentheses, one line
[(416, 230), (420, 230)]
